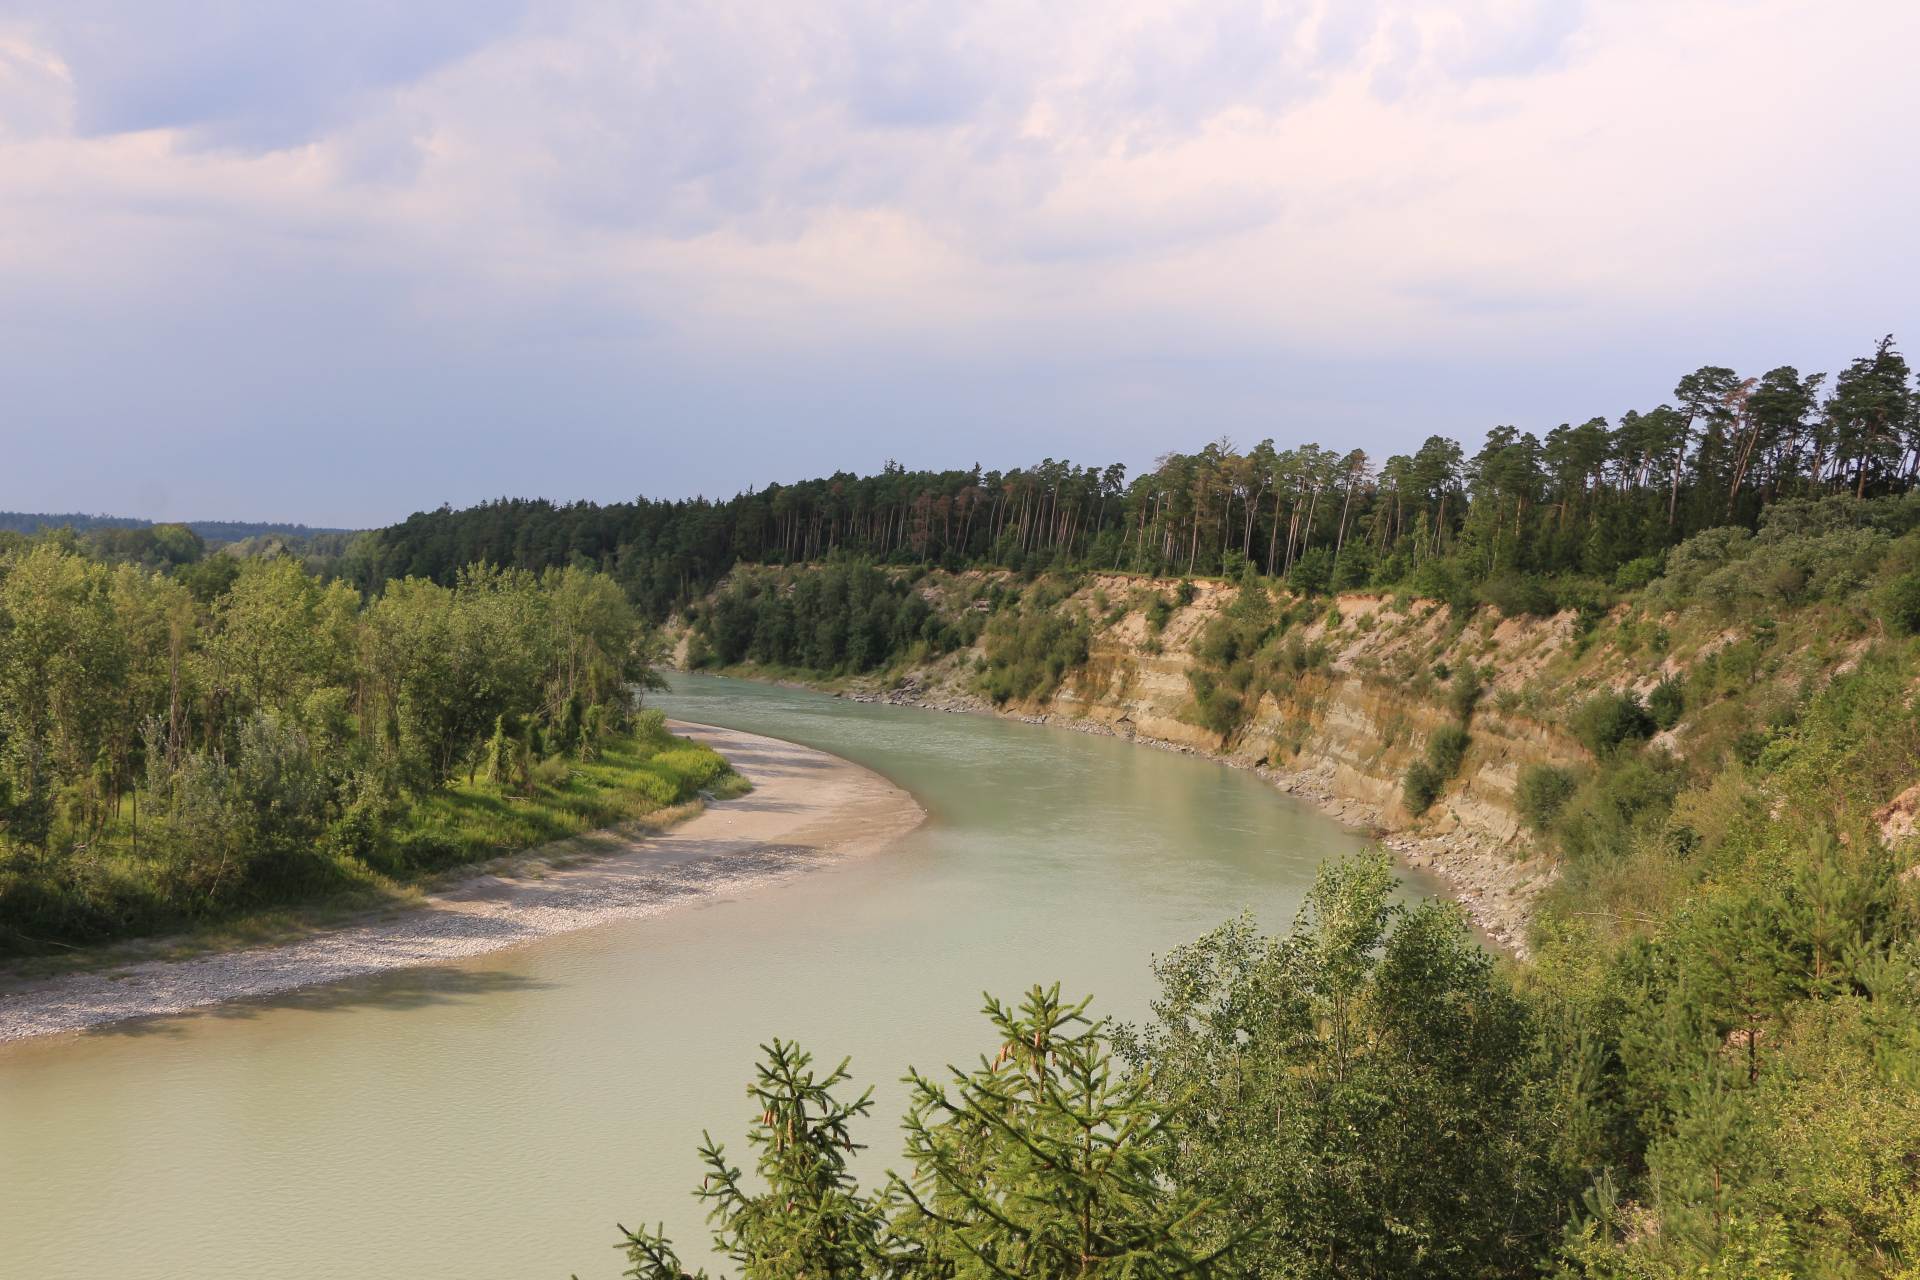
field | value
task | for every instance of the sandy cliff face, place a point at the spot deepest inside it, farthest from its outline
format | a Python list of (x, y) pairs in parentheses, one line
[(1340, 734), (1344, 695)]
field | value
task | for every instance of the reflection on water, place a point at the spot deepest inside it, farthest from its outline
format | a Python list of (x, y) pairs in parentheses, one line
[(495, 1119)]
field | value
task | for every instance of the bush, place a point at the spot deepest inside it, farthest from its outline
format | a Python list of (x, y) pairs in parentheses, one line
[(696, 768), (650, 728), (1312, 573), (1543, 792), (1519, 595), (1445, 750), (553, 773), (1667, 703), (1421, 787), (1629, 797), (1637, 573), (1464, 696), (1608, 721), (1030, 655), (1901, 604)]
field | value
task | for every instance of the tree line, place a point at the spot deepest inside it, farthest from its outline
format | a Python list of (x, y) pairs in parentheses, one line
[(177, 743), (1600, 498)]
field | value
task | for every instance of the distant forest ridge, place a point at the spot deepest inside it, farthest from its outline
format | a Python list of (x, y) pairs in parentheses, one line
[(214, 531), (1602, 499)]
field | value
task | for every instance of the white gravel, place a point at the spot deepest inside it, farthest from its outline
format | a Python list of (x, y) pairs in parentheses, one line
[(806, 807)]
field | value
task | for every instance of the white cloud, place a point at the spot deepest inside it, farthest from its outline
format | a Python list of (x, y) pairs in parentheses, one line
[(592, 200)]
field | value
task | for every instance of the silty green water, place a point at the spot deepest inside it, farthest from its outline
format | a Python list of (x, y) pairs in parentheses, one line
[(495, 1119)]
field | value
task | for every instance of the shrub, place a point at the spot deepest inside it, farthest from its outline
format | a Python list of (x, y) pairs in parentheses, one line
[(1465, 694), (1608, 721), (1630, 796), (1667, 703), (696, 768), (1353, 569), (553, 773), (1637, 573), (1445, 750), (1186, 591), (1312, 573), (1158, 613), (1520, 594), (650, 728), (1421, 787), (1543, 792), (1901, 603), (1028, 656)]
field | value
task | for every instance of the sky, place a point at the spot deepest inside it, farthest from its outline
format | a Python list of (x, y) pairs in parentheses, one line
[(335, 263)]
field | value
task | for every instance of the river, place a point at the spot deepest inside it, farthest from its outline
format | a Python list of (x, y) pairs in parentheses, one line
[(495, 1119)]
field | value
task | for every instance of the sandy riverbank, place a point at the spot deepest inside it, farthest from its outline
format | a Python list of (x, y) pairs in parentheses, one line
[(806, 807)]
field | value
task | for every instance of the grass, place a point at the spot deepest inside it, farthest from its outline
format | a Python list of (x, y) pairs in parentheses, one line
[(647, 781), (632, 777)]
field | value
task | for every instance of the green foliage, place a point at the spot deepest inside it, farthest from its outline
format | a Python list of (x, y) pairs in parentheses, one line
[(1803, 551), (1428, 776), (1235, 661), (170, 756), (1421, 787), (809, 1217), (1159, 612), (1638, 572), (1768, 1056), (1312, 573), (696, 768), (1624, 800), (848, 616), (1029, 654), (1535, 523), (1608, 722), (1543, 791), (1518, 595), (1901, 603), (1363, 1097), (1446, 748), (1044, 1161), (1667, 703), (1463, 695)]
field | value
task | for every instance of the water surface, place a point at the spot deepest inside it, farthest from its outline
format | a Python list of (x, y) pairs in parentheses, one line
[(495, 1119)]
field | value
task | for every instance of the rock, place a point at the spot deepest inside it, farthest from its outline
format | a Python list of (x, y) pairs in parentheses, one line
[(1897, 818)]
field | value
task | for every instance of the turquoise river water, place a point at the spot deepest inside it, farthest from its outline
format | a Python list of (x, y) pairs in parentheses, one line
[(494, 1120)]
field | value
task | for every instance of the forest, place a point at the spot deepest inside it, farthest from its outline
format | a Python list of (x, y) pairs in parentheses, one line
[(185, 739), (1587, 505)]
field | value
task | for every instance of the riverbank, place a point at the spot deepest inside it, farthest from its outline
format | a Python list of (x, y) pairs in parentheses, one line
[(1479, 871), (807, 807)]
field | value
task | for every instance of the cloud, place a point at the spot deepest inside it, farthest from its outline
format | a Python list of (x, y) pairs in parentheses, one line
[(257, 231), (253, 74)]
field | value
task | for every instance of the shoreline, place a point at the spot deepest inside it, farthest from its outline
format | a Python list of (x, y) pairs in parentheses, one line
[(807, 809)]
